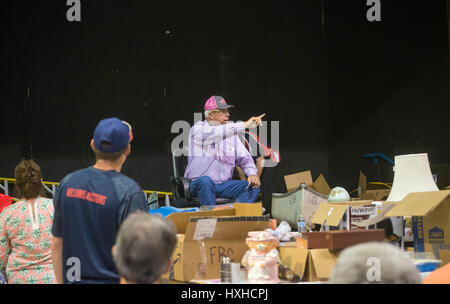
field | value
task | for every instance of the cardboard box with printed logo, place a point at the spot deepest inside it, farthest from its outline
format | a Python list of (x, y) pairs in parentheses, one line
[(430, 213), (303, 197), (345, 215)]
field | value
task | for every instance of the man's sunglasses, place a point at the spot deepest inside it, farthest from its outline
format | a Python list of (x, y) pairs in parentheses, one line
[(221, 111)]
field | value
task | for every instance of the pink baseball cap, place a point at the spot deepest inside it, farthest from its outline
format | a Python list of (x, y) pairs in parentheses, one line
[(216, 102)]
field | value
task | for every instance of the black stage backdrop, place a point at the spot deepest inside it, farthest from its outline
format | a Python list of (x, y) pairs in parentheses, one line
[(339, 85)]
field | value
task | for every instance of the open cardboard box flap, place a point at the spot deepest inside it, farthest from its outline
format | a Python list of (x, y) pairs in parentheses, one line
[(309, 264), (419, 203), (362, 183), (329, 212), (321, 185), (293, 181), (295, 258), (372, 191), (333, 212), (323, 261)]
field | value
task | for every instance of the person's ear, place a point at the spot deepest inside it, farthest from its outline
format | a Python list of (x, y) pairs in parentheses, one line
[(92, 145), (113, 250), (128, 150)]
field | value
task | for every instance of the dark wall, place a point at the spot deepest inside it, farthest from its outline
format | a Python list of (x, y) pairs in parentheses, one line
[(153, 63), (388, 85), (339, 85)]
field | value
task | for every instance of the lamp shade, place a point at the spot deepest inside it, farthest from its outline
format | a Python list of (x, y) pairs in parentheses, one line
[(412, 174)]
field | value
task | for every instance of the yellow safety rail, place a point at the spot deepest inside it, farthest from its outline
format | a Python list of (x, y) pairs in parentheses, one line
[(160, 193)]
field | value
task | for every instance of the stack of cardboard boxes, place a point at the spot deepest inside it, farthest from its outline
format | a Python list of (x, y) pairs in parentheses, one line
[(315, 264), (205, 237), (430, 213)]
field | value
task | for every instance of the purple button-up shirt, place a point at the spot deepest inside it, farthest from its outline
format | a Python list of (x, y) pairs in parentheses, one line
[(214, 151)]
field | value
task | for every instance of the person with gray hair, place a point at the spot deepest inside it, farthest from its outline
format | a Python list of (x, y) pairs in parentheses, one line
[(215, 149), (374, 263), (143, 249)]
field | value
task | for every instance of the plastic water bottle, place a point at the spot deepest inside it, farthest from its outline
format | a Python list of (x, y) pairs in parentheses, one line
[(225, 270), (167, 200), (301, 224)]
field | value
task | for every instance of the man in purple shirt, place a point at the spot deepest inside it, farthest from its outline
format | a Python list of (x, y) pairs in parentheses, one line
[(214, 150)]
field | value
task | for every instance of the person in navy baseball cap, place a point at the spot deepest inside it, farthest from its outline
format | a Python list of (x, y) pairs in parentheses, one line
[(91, 203), (112, 135)]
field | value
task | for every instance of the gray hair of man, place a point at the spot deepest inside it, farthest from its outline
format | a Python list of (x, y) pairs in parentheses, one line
[(144, 247), (208, 112), (374, 263)]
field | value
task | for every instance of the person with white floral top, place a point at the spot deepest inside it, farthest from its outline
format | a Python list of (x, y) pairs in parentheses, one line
[(25, 230)]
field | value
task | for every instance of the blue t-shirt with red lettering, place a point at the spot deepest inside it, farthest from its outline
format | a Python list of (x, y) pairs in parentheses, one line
[(90, 204)]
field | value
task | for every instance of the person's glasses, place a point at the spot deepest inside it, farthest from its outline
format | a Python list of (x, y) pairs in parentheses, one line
[(222, 111)]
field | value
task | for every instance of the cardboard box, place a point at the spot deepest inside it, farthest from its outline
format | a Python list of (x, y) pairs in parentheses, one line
[(181, 219), (299, 199), (339, 239), (320, 185), (372, 191), (361, 213), (311, 265), (295, 258), (288, 207), (208, 237), (430, 213), (203, 247), (176, 269), (336, 213)]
